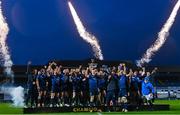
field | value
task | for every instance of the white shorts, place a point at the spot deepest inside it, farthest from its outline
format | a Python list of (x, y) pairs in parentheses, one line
[(149, 97)]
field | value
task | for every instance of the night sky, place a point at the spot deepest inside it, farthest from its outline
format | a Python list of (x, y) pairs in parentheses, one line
[(43, 30)]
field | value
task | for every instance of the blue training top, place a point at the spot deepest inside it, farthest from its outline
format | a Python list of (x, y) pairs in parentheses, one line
[(147, 88)]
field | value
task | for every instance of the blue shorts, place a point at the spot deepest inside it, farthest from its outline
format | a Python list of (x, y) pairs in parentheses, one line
[(64, 87), (122, 92), (76, 89), (42, 88), (94, 92), (55, 89)]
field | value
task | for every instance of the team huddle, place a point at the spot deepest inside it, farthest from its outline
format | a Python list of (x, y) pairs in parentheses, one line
[(56, 86)]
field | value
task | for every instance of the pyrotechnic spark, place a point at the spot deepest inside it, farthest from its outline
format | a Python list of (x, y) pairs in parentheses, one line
[(162, 37), (91, 39), (5, 57), (17, 93)]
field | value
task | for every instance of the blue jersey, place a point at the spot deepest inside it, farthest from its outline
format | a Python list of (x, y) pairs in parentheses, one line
[(64, 81), (76, 83), (101, 83), (147, 88), (123, 82), (56, 80), (134, 81), (42, 80), (93, 83), (123, 86), (85, 85)]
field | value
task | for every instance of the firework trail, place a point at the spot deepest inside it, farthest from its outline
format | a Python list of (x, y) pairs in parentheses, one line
[(4, 53), (86, 35), (162, 37), (17, 93)]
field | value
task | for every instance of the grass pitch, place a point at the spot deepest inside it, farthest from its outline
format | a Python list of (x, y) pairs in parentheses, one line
[(6, 108)]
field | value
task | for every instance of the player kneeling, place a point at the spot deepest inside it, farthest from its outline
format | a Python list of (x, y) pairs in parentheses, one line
[(123, 101), (147, 92)]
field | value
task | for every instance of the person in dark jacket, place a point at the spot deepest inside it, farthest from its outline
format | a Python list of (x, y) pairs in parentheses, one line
[(85, 88), (32, 92), (112, 85)]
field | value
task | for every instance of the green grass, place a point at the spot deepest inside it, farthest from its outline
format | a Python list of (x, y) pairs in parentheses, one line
[(6, 108)]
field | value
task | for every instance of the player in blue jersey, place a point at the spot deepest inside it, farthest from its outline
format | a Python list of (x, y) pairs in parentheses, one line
[(65, 87), (41, 85), (123, 90), (134, 88), (76, 80), (55, 89), (93, 86)]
